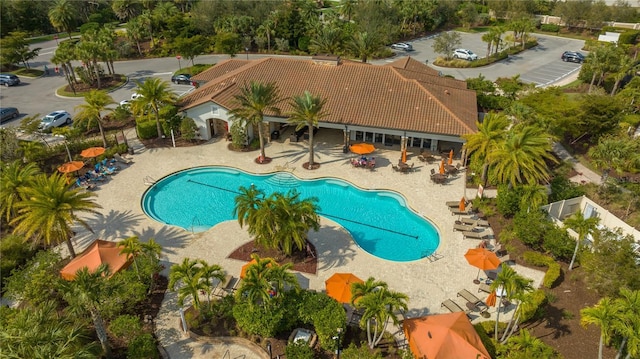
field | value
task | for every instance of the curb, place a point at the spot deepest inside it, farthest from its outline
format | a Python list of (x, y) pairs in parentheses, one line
[(74, 98)]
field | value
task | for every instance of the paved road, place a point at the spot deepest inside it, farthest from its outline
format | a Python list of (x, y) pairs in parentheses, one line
[(540, 65)]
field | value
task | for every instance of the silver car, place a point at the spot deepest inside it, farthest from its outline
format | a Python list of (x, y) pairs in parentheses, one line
[(55, 119), (464, 54)]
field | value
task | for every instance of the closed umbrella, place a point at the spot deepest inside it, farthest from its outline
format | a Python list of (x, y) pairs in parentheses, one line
[(463, 204), (339, 286), (92, 152), (482, 259), (491, 299), (451, 157), (71, 166), (442, 167), (404, 155), (362, 148)]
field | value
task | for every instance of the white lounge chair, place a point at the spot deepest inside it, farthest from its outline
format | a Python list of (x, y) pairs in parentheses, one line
[(122, 159)]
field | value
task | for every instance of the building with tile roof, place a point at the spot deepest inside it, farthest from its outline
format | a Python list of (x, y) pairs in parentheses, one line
[(404, 102)]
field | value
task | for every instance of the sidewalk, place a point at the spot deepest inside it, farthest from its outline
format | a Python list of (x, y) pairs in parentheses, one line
[(584, 175)]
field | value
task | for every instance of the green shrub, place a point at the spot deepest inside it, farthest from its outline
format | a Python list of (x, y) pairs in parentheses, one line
[(549, 28), (198, 68), (530, 227), (126, 327), (363, 351), (552, 275), (508, 201), (558, 242), (143, 347), (188, 129), (146, 129), (298, 350), (14, 253), (36, 282), (537, 259), (537, 299), (562, 188), (488, 343), (254, 319), (325, 314), (628, 37)]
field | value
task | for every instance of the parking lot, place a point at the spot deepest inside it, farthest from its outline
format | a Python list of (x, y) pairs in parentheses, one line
[(540, 65)]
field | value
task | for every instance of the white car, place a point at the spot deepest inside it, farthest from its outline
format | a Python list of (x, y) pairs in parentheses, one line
[(55, 119), (126, 103), (402, 46), (464, 54)]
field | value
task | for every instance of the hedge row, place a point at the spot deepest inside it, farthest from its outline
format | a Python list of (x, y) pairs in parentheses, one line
[(541, 260)]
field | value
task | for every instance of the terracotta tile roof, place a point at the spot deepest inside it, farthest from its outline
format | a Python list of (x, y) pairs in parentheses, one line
[(404, 95), (218, 70)]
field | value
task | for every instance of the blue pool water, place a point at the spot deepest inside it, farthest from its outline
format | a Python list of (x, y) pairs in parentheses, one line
[(380, 222)]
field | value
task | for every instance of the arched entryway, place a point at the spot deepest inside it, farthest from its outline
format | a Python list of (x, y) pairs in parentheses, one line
[(217, 127)]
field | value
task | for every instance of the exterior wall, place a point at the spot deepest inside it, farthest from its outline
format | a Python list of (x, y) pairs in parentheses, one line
[(556, 20), (563, 209), (203, 113)]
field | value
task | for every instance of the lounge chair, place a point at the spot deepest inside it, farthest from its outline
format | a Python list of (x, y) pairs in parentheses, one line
[(462, 227), (223, 288), (474, 222), (484, 287), (506, 258), (122, 159), (453, 204), (477, 235), (452, 306), (395, 168), (469, 297)]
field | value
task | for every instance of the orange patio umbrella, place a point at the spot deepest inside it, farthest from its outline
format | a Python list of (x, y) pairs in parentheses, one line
[(362, 148), (404, 156), (444, 336), (491, 299), (243, 270), (442, 167), (92, 152), (339, 286), (482, 259), (462, 205), (71, 166), (99, 252), (451, 157)]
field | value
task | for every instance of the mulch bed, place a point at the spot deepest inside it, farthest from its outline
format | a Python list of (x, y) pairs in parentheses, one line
[(301, 262)]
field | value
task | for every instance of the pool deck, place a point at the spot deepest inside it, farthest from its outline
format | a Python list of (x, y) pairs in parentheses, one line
[(427, 283)]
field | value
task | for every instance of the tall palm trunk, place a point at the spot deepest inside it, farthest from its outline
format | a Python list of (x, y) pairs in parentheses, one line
[(497, 319), (95, 68), (98, 323), (505, 336), (104, 137), (624, 342), (158, 127), (600, 346), (72, 251), (262, 154), (311, 155)]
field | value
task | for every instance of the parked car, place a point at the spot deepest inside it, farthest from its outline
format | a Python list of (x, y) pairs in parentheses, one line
[(573, 56), (402, 46), (55, 119), (8, 113), (181, 79), (9, 79), (464, 54)]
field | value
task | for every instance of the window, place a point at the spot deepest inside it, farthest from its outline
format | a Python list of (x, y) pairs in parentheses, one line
[(214, 110)]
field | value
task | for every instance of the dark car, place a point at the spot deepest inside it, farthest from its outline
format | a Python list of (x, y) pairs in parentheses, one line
[(572, 56), (9, 80), (181, 79), (8, 113)]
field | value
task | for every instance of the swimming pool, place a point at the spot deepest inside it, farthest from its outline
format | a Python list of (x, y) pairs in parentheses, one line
[(379, 221)]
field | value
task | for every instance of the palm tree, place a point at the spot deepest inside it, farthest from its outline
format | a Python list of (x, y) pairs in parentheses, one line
[(512, 284), (308, 111), (135, 32), (359, 290), (189, 276), (328, 41), (603, 315), (378, 307), (63, 15), (347, 8), (209, 273), (294, 219), (491, 132), (520, 289), (254, 101), (628, 325), (582, 226), (96, 103), (533, 196), (50, 208), (281, 278), (132, 248), (625, 67), (256, 284), (154, 93), (364, 45), (247, 204), (85, 293), (521, 157), (528, 346), (14, 178)]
